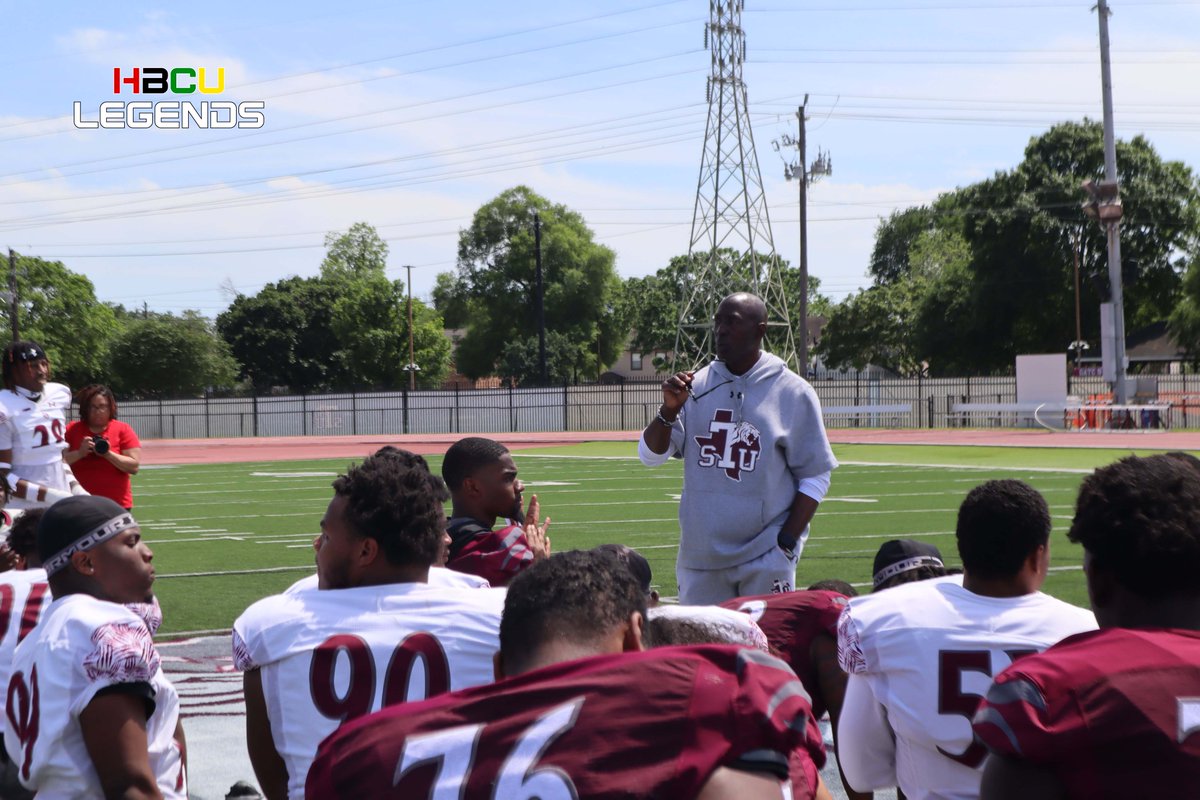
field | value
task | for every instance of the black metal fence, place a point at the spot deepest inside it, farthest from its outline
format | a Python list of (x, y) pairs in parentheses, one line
[(626, 406)]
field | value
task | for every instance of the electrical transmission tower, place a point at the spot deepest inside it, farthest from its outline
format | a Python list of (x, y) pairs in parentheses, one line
[(731, 248)]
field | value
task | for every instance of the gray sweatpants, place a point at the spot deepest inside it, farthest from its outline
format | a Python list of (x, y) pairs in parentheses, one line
[(770, 573)]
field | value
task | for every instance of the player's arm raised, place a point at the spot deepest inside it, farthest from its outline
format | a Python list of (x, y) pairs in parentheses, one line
[(657, 434), (268, 765)]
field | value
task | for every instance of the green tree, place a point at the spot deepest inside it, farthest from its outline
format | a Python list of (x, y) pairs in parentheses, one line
[(283, 336), (495, 282), (519, 361), (370, 321), (989, 268), (1023, 226), (1184, 322), (893, 238), (874, 326), (58, 309), (357, 252), (163, 355), (345, 329), (652, 303)]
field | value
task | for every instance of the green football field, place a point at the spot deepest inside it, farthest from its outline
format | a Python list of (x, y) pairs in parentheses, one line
[(225, 535)]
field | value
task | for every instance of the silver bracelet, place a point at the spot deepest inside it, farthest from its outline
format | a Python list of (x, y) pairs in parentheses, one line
[(666, 422)]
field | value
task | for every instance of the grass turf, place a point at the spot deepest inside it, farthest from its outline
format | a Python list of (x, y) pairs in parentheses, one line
[(225, 535)]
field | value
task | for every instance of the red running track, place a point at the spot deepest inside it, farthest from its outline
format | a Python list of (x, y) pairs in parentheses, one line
[(295, 448)]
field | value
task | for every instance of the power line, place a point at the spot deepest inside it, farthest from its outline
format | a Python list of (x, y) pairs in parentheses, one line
[(343, 118), (611, 123)]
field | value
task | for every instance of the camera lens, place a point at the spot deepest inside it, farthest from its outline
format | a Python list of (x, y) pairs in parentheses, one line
[(100, 445)]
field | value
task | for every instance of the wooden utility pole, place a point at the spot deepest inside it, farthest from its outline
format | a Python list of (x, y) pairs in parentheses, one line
[(412, 362), (541, 303), (802, 344), (12, 294)]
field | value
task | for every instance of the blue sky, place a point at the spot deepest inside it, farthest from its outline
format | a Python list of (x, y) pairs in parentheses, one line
[(409, 116)]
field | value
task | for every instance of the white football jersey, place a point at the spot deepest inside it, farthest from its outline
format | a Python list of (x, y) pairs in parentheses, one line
[(438, 576), (34, 432), (928, 652), (82, 646), (24, 597), (326, 657)]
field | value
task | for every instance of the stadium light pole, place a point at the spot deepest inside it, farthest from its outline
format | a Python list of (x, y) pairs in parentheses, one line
[(1106, 204)]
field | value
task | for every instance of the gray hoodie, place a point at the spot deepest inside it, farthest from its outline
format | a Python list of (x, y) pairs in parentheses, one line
[(745, 440)]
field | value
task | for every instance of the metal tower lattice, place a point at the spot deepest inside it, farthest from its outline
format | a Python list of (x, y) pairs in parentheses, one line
[(731, 247)]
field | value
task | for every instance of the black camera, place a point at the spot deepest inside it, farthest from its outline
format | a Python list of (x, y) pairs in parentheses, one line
[(100, 445)]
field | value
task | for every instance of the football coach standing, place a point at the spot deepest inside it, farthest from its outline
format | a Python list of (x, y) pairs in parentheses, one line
[(756, 461)]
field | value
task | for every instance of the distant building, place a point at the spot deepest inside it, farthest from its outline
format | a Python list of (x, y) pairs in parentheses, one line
[(1151, 350), (456, 380)]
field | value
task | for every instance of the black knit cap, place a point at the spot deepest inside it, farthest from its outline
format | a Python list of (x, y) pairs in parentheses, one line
[(902, 555), (73, 518)]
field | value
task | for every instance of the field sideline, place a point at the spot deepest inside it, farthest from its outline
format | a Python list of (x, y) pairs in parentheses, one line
[(225, 535)]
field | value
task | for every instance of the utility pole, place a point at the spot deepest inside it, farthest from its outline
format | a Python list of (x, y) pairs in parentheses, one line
[(541, 305), (802, 344), (799, 171), (12, 294), (1108, 196), (411, 367)]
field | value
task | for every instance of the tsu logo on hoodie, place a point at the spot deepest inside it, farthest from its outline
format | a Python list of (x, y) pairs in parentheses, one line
[(732, 446)]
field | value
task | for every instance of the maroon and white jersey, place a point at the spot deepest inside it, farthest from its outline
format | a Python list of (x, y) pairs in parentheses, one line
[(328, 657), (927, 652), (791, 620), (84, 646), (35, 433), (1114, 713), (24, 596), (495, 555), (638, 725)]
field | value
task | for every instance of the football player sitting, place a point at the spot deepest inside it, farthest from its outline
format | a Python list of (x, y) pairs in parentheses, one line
[(373, 634), (581, 711), (484, 487), (1114, 712)]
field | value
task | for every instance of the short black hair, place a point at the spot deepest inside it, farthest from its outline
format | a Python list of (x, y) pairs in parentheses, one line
[(634, 561), (22, 536), (1140, 519), (580, 596), (1186, 458), (393, 498), (834, 585), (667, 631), (1000, 524), (466, 456), (16, 352)]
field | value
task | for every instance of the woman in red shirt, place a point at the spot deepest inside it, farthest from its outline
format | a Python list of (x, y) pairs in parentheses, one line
[(101, 450)]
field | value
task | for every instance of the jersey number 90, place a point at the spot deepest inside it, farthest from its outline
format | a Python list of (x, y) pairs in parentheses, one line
[(359, 695)]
